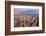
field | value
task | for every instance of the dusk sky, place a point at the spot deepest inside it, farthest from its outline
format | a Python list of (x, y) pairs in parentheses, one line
[(26, 11)]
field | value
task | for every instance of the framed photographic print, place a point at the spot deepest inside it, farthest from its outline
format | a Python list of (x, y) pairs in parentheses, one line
[(24, 17)]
